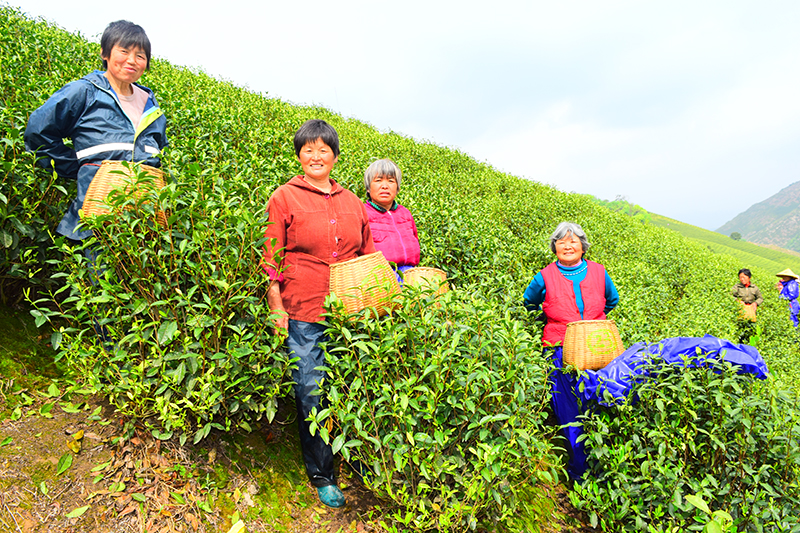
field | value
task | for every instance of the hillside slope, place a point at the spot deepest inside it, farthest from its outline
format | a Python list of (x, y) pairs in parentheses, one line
[(774, 221), (482, 226), (749, 255)]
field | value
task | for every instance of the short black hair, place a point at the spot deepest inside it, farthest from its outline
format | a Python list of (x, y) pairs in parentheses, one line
[(315, 129), (125, 34), (746, 272)]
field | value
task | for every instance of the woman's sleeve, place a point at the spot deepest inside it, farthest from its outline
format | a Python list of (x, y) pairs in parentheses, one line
[(792, 290), (759, 297), (272, 261), (54, 121), (535, 293), (612, 296)]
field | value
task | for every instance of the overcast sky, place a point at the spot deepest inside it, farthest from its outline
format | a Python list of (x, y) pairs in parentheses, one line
[(689, 109)]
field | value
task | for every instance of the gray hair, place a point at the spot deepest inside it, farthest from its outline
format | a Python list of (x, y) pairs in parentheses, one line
[(564, 229), (382, 167)]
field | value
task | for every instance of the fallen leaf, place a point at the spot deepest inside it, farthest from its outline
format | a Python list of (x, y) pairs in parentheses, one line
[(192, 519), (238, 527), (74, 445), (75, 513), (129, 509), (64, 463)]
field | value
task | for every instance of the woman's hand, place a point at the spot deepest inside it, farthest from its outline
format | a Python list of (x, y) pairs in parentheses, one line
[(275, 302)]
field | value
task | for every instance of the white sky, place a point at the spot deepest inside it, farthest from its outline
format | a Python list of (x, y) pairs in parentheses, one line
[(689, 109)]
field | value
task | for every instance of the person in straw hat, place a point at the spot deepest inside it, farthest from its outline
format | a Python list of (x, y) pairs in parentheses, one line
[(568, 290), (789, 291)]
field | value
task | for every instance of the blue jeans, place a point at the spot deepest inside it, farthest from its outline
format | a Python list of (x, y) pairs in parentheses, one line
[(303, 342), (96, 269)]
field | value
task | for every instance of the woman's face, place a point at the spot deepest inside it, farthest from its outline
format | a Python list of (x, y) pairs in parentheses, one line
[(317, 160), (744, 278), (569, 250), (125, 65), (383, 190)]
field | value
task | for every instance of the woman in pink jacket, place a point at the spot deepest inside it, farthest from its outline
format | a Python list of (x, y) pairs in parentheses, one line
[(393, 227)]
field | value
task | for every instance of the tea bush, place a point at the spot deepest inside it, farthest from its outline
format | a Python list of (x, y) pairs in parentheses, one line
[(442, 403), (187, 342), (699, 431)]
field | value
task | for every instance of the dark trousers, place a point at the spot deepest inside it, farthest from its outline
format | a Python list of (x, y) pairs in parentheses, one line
[(303, 341), (567, 407)]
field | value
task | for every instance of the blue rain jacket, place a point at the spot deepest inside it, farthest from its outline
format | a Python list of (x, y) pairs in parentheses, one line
[(88, 112), (572, 392)]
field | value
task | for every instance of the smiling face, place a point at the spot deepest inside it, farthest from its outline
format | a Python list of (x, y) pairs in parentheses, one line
[(125, 66), (744, 278), (317, 160), (383, 191), (569, 250)]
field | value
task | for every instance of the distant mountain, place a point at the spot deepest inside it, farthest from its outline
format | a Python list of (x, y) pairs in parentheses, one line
[(769, 257), (775, 221)]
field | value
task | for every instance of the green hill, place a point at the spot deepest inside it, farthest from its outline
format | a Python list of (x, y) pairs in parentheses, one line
[(460, 384), (748, 254)]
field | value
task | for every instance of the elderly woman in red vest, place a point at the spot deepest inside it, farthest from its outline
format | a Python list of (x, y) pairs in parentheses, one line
[(392, 225), (569, 289)]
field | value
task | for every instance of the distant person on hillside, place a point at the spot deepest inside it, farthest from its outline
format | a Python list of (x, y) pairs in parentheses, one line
[(789, 291), (313, 222), (568, 290), (392, 225), (748, 294), (106, 114)]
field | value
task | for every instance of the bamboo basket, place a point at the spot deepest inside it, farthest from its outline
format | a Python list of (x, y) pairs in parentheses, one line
[(366, 281), (427, 277), (591, 344), (114, 175), (747, 311)]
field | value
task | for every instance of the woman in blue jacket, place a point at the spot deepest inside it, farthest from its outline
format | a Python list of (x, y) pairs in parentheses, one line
[(790, 290), (107, 115)]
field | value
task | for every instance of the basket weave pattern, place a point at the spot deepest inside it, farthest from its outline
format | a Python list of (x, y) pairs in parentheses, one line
[(113, 175), (426, 277), (591, 344), (747, 311), (366, 281)]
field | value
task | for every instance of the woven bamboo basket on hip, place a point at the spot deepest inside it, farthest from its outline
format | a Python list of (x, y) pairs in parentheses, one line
[(747, 311), (114, 175), (426, 277), (366, 281), (591, 344)]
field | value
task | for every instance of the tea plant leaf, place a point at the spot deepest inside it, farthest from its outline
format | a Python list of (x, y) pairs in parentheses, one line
[(698, 502), (102, 466), (166, 332), (64, 463), (53, 391), (6, 441)]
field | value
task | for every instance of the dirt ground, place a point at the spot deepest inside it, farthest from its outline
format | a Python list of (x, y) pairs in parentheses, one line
[(143, 484), (65, 466)]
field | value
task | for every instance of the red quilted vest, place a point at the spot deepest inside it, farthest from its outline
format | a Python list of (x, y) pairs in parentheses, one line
[(559, 300)]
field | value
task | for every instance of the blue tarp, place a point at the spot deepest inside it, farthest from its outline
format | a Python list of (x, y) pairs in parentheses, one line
[(572, 392)]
